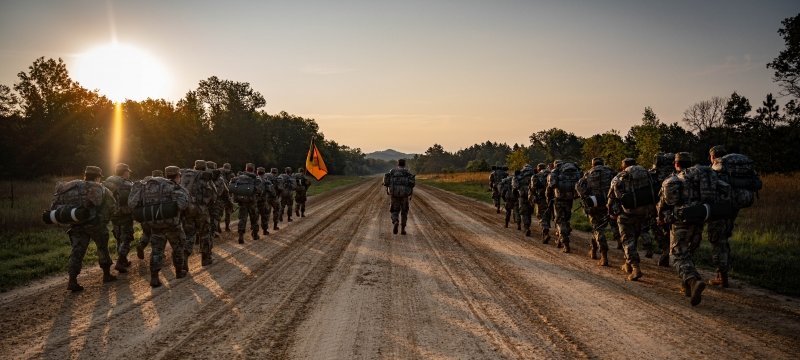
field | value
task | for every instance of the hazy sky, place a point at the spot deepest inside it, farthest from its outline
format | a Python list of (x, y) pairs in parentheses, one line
[(407, 74)]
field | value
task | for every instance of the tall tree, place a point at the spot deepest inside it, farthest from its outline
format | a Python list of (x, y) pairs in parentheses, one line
[(646, 137), (705, 114), (769, 113), (557, 144), (737, 110), (787, 64)]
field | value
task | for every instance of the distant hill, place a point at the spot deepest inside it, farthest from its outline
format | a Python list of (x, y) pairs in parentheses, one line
[(389, 155)]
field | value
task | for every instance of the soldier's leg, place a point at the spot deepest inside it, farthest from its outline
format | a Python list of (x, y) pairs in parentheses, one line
[(680, 243), (100, 237), (289, 207), (496, 199), (264, 211), (143, 241), (544, 219), (206, 240), (647, 238), (599, 221), (79, 240), (720, 249), (615, 232), (509, 211), (157, 244), (228, 206), (175, 236), (275, 213), (251, 208), (242, 226), (125, 230), (628, 229), (191, 227)]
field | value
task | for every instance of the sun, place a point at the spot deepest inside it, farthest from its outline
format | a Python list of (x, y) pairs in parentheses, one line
[(121, 72)]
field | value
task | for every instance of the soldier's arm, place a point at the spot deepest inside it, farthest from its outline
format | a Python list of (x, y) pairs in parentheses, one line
[(181, 197)]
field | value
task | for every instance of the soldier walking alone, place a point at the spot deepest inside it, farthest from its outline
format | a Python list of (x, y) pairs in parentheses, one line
[(399, 183)]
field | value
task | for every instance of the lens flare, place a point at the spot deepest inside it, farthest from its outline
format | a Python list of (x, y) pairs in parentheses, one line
[(116, 137)]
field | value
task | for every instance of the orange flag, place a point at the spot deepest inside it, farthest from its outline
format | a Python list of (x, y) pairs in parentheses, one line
[(314, 163)]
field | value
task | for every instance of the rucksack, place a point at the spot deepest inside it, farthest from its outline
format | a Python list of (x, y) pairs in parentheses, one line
[(243, 187), (153, 202), (521, 183), (285, 184), (400, 182), (663, 167), (302, 183), (636, 190), (506, 191), (199, 185), (563, 181), (74, 202), (593, 186), (737, 170), (121, 189), (701, 185)]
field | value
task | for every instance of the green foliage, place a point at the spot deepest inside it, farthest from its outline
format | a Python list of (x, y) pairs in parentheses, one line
[(608, 146), (557, 144), (787, 64), (517, 159), (646, 137), (478, 165), (331, 182)]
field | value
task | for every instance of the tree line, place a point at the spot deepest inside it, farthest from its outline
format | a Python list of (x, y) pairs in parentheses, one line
[(767, 133), (51, 125)]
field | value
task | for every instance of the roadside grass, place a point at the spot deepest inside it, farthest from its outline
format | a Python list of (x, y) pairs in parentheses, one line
[(30, 249), (765, 246)]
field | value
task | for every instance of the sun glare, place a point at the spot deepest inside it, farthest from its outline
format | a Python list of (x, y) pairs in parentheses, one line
[(121, 72)]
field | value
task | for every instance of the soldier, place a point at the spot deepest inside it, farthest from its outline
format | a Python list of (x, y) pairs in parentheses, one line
[(300, 192), (560, 195), (286, 185), (495, 177), (684, 202), (630, 201), (511, 198), (122, 221), (737, 171), (663, 167), (85, 194), (145, 239), (262, 205), (160, 202), (538, 200), (521, 184), (399, 183), (216, 208), (199, 184), (273, 199), (227, 175), (246, 189), (593, 188)]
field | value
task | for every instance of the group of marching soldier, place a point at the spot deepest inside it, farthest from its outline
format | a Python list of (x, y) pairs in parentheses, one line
[(182, 207), (671, 202)]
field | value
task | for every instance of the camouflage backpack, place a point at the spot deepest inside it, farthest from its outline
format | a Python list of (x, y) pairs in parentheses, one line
[(594, 185), (702, 196), (636, 190), (121, 189), (737, 170), (663, 166), (701, 185), (506, 191), (74, 202), (285, 184), (153, 203), (399, 182), (200, 186), (243, 187), (301, 182), (522, 182), (538, 183), (563, 181)]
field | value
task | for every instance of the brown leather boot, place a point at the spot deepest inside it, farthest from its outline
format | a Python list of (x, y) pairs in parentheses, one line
[(720, 280), (73, 285), (241, 238), (107, 277), (697, 286), (154, 281), (636, 273), (603, 257)]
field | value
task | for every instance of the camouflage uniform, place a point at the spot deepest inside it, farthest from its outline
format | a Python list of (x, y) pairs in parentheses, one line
[(94, 196), (399, 184), (286, 185), (561, 194), (300, 192), (217, 207), (495, 177), (631, 218), (248, 204), (227, 175), (273, 201), (521, 184), (663, 167), (263, 206), (538, 200), (158, 190), (145, 239), (197, 221), (511, 199), (121, 219), (593, 189)]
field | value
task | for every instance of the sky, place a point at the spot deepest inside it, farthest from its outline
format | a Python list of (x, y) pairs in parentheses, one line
[(408, 74)]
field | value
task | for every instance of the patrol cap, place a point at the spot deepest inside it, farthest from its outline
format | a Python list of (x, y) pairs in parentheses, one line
[(157, 173), (597, 161), (249, 167), (226, 166), (288, 169), (401, 162), (541, 166), (261, 169), (172, 170), (199, 164), (211, 165), (683, 156), (300, 170), (122, 167), (628, 162), (273, 170), (93, 170), (718, 151)]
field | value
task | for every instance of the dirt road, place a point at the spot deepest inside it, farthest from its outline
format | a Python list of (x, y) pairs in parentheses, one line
[(338, 284)]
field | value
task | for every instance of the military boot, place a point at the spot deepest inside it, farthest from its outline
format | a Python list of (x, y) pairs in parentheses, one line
[(140, 252), (528, 232), (627, 268), (545, 236), (498, 210), (107, 277), (506, 223), (265, 232), (186, 264), (254, 235), (720, 280), (73, 285), (227, 226), (663, 260), (686, 290), (303, 213), (179, 272), (275, 226), (241, 238), (394, 228), (403, 230), (636, 273), (697, 286), (619, 244), (649, 253), (566, 247), (519, 226), (206, 260), (297, 212), (603, 257), (593, 252), (154, 280), (120, 266)]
